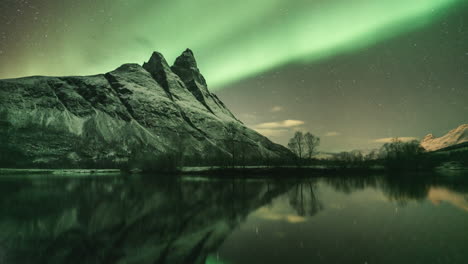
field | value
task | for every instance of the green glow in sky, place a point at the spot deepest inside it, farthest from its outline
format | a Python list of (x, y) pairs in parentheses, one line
[(231, 40)]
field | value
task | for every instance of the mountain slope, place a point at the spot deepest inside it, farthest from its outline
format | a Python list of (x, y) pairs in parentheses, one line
[(454, 137), (134, 109)]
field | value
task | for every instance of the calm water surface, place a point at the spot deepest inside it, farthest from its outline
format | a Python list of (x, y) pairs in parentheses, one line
[(137, 219)]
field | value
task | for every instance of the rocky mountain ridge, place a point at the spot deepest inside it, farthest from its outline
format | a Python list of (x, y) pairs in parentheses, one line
[(454, 137), (154, 108)]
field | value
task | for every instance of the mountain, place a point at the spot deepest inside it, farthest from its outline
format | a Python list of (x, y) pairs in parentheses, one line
[(454, 137), (133, 111)]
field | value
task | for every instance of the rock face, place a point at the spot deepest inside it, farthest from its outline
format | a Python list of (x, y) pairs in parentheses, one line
[(152, 108), (454, 137)]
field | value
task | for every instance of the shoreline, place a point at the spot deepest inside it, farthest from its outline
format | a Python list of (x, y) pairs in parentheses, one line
[(57, 172), (234, 172)]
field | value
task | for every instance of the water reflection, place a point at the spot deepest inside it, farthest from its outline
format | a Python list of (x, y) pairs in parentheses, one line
[(441, 194), (303, 199), (137, 220), (174, 220)]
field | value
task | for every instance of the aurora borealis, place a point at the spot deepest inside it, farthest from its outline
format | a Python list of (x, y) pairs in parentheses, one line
[(350, 71), (232, 39)]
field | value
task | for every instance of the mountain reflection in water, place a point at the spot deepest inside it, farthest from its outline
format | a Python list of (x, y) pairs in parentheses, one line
[(188, 220)]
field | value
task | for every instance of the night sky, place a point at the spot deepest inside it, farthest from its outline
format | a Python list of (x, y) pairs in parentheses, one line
[(354, 72)]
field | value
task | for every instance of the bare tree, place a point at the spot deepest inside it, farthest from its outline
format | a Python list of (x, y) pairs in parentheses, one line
[(296, 144), (231, 140), (242, 148), (304, 146), (304, 200), (179, 143), (311, 144)]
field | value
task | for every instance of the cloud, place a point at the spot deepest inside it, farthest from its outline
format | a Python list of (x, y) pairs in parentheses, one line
[(280, 124), (332, 134), (279, 128), (390, 139), (248, 118), (276, 109), (271, 132)]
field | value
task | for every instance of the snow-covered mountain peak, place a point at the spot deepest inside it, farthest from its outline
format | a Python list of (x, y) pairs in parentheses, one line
[(453, 137)]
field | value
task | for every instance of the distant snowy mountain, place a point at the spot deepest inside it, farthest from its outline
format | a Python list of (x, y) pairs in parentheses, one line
[(456, 136), (154, 108)]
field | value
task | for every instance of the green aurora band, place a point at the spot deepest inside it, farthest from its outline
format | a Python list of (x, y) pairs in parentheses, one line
[(232, 40)]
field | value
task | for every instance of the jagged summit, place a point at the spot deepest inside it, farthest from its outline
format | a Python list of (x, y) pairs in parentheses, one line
[(184, 81), (454, 137), (113, 116), (186, 60), (158, 67), (185, 66), (156, 63)]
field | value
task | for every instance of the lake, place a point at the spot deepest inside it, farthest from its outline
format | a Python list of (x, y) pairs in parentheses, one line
[(144, 219)]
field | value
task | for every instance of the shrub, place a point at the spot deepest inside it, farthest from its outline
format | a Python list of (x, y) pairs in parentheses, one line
[(399, 155)]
